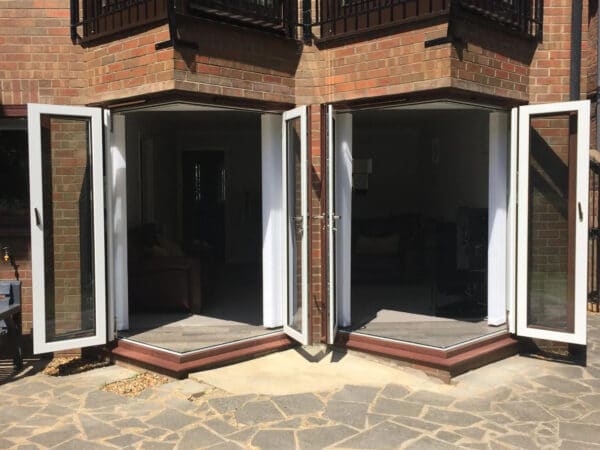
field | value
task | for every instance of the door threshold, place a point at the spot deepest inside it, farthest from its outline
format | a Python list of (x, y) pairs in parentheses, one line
[(179, 365), (441, 363), (433, 347), (199, 350)]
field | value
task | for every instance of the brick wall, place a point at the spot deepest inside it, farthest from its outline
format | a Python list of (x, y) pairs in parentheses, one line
[(549, 70), (233, 62), (494, 62), (393, 64), (317, 247), (38, 62), (129, 66)]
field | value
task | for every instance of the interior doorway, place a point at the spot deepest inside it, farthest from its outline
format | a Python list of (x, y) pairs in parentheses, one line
[(194, 213), (420, 223)]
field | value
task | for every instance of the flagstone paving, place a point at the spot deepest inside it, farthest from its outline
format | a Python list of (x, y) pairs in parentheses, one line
[(516, 403)]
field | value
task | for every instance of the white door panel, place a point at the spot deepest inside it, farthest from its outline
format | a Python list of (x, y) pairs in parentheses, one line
[(295, 188), (552, 223), (67, 227)]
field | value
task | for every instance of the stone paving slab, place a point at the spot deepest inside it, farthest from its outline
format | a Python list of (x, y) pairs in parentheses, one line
[(516, 403)]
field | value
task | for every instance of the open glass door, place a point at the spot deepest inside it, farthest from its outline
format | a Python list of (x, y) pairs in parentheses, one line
[(295, 202), (331, 219), (67, 227), (552, 221)]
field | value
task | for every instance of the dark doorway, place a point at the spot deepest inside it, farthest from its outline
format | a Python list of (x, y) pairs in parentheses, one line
[(195, 228), (203, 202)]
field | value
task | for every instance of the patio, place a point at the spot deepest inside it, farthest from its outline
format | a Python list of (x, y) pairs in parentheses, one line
[(517, 402)]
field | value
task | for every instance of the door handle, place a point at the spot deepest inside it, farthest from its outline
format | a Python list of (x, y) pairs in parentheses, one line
[(38, 217), (580, 211)]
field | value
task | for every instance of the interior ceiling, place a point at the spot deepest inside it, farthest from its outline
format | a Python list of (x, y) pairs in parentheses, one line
[(441, 105), (184, 107)]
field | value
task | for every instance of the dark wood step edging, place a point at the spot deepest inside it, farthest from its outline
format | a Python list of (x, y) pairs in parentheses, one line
[(441, 363), (180, 365)]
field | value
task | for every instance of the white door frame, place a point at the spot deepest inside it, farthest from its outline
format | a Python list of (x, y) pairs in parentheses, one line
[(582, 108), (94, 115), (331, 222), (301, 113)]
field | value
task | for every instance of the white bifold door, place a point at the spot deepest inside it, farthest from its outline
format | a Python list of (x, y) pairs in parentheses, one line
[(295, 206), (67, 227), (548, 213)]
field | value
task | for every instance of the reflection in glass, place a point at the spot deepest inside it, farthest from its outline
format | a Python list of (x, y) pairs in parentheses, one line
[(551, 222), (295, 225), (68, 233)]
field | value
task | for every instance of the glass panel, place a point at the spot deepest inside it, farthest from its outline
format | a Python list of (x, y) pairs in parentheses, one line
[(295, 231), (552, 174), (68, 232)]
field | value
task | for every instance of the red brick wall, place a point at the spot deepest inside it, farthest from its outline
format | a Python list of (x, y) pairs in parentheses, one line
[(316, 210), (233, 62), (494, 62), (393, 64), (129, 66), (549, 72), (38, 62), (236, 62)]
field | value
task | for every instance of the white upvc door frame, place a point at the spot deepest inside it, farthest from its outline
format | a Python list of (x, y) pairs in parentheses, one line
[(301, 113), (94, 115), (582, 108), (331, 222)]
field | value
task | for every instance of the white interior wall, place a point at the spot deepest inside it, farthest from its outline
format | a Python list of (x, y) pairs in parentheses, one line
[(116, 206), (343, 202), (273, 221), (497, 219)]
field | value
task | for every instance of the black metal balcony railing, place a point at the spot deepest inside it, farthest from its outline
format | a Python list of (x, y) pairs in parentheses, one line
[(346, 17), (106, 17), (335, 18), (103, 18), (276, 15), (522, 16)]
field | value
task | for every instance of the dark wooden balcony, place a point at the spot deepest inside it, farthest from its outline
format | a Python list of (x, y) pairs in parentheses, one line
[(105, 18), (341, 18)]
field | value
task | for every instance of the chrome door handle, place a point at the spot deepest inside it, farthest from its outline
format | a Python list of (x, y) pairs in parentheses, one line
[(580, 211)]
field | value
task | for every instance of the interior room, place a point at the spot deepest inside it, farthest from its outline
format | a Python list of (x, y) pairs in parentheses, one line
[(194, 228), (420, 223)]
